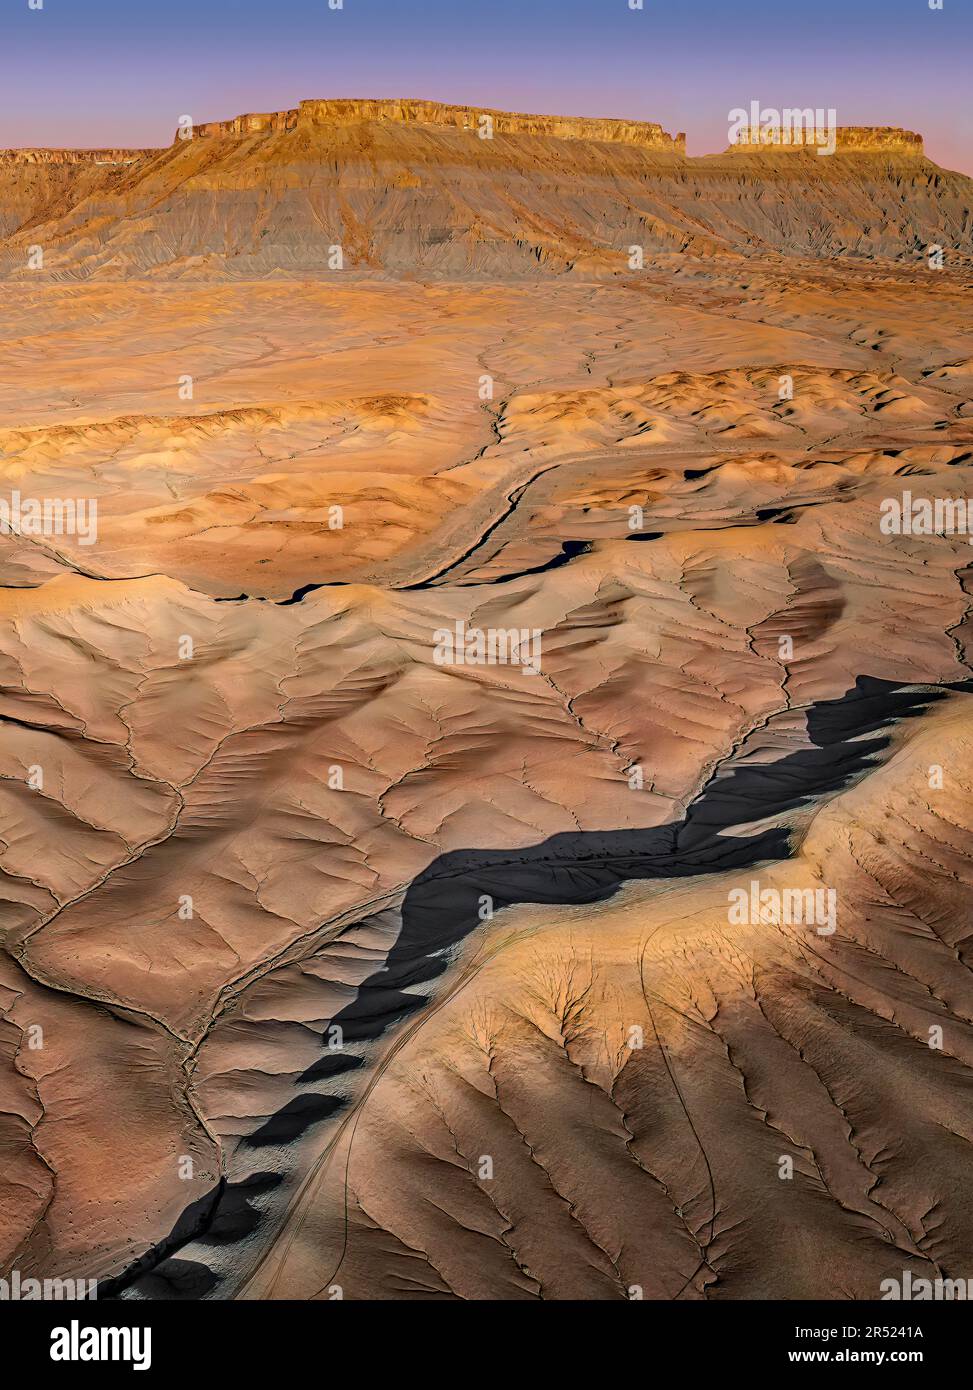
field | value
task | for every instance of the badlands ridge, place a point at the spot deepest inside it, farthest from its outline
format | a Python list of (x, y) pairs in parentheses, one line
[(327, 964)]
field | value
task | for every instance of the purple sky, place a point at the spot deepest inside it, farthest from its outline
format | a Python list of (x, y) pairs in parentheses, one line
[(121, 72)]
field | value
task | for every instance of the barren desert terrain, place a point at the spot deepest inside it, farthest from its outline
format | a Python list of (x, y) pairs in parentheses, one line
[(515, 557)]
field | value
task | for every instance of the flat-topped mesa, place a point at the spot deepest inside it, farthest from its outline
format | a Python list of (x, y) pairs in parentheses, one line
[(253, 123), (848, 139), (349, 112), (72, 156)]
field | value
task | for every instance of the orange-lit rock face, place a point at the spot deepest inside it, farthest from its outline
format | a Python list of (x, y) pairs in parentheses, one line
[(419, 191), (857, 139), (460, 630), (337, 112), (10, 158)]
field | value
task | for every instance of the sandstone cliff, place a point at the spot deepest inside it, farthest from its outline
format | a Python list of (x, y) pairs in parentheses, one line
[(40, 156), (849, 139), (410, 188), (351, 112)]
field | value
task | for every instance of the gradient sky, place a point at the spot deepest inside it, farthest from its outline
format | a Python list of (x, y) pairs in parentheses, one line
[(121, 72)]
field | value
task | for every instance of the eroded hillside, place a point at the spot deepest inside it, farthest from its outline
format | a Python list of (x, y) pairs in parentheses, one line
[(406, 189), (310, 905)]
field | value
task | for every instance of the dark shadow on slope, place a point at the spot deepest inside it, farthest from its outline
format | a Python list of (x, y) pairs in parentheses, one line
[(443, 904), (569, 550), (225, 1214), (296, 597)]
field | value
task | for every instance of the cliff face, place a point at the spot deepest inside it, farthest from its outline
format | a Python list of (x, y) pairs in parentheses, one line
[(857, 139), (112, 157), (347, 112), (410, 189), (254, 123)]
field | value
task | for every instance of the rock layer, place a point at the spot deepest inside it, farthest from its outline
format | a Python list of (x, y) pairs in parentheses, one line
[(355, 112), (371, 189)]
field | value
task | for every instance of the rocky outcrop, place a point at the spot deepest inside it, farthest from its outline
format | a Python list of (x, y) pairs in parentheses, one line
[(253, 123), (345, 112), (114, 157), (849, 139)]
